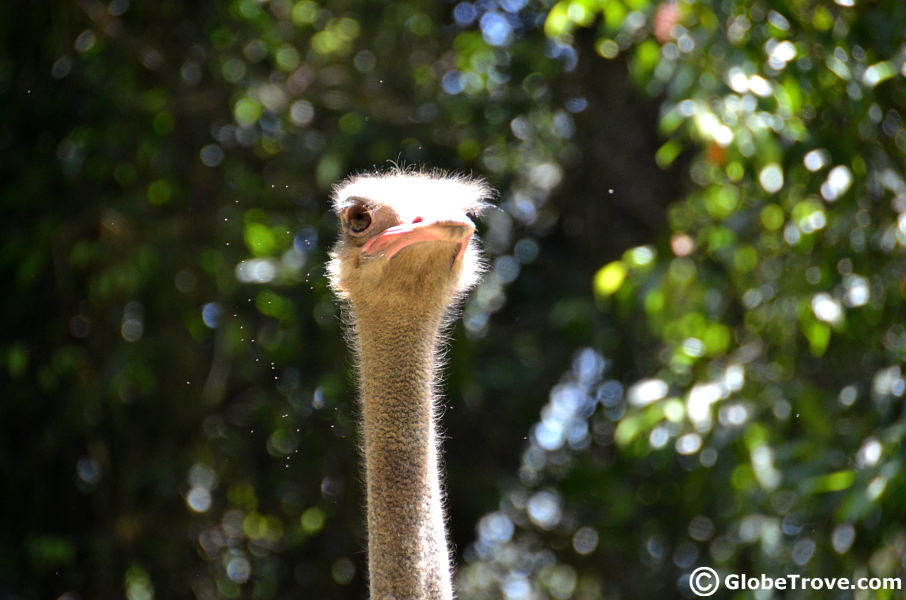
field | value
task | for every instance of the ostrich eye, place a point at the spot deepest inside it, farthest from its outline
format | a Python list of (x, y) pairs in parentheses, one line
[(358, 219)]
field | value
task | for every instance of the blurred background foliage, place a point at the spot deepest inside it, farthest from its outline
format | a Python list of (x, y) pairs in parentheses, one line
[(688, 350)]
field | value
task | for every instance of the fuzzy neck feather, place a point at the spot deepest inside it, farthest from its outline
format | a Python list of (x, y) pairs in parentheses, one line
[(407, 547)]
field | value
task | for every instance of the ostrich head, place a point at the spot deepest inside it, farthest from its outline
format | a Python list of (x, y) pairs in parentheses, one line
[(406, 239)]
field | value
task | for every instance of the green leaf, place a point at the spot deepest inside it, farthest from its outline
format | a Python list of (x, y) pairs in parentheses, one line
[(832, 482), (247, 111), (609, 278)]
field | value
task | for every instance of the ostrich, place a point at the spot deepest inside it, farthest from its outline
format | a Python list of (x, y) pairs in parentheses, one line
[(405, 256)]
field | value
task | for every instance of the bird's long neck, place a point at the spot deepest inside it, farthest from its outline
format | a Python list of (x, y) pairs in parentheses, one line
[(408, 557)]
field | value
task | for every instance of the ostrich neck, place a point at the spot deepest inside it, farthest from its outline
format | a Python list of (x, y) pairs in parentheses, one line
[(408, 557)]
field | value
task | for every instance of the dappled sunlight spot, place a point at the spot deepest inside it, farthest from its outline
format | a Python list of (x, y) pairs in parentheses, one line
[(878, 72), (771, 178), (545, 509), (710, 127), (201, 479), (132, 326), (837, 183), (495, 528), (202, 476), (522, 208), (211, 155), (452, 82), (640, 256), (689, 443), (734, 377), (682, 244), (733, 415), (211, 541), (701, 528), (659, 437), (760, 86), (811, 217), (559, 580), (211, 314), (765, 471), (238, 569), (88, 471), (815, 160), (857, 291), (843, 537), (685, 555), (674, 410), (647, 391), (869, 454), (546, 176), (271, 96), (876, 487), (199, 499), (85, 41), (693, 347), (464, 13), (827, 308), (848, 395), (256, 270), (779, 53), (312, 520), (655, 546), (138, 584), (755, 527), (548, 435), (585, 540), (708, 456), (698, 404), (516, 587), (343, 571), (302, 112), (496, 29), (803, 550), (507, 268), (888, 382)]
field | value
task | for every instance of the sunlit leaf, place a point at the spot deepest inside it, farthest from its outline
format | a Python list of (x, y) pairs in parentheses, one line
[(609, 278)]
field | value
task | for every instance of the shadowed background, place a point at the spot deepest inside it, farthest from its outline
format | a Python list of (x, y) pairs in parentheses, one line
[(688, 349)]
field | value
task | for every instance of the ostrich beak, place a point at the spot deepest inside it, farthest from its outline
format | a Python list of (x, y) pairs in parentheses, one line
[(393, 239)]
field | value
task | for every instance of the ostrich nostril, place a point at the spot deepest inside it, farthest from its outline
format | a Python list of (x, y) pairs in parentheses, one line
[(417, 220)]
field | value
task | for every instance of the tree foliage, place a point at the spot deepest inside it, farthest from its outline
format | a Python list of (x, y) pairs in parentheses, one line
[(691, 327)]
